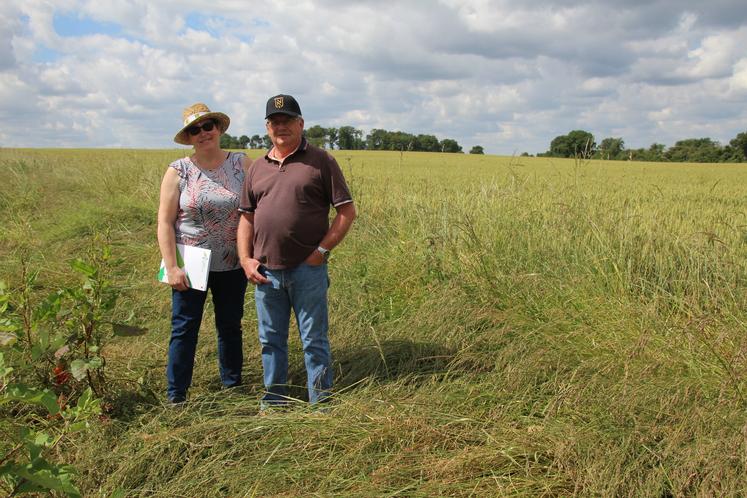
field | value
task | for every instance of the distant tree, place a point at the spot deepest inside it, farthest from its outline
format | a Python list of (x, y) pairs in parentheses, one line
[(427, 143), (349, 138), (739, 145), (229, 142), (611, 148), (576, 143), (695, 150), (560, 147), (345, 137), (316, 135), (332, 137), (359, 143), (730, 155), (380, 139), (450, 145), (377, 139), (399, 140), (656, 152)]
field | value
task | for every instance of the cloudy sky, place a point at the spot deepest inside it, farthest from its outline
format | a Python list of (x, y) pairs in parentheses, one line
[(507, 75)]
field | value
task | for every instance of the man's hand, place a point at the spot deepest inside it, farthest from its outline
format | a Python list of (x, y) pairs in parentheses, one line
[(251, 270), (315, 258)]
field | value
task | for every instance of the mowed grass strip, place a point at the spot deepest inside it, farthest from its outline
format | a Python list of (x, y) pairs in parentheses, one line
[(501, 326)]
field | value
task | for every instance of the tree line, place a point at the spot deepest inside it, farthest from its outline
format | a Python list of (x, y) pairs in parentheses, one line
[(580, 143), (350, 138), (244, 142), (577, 143)]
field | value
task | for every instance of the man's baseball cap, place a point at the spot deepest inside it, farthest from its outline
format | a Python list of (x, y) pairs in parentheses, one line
[(283, 104)]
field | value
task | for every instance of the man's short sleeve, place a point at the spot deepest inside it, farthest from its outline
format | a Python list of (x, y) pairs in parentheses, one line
[(339, 193), (247, 203)]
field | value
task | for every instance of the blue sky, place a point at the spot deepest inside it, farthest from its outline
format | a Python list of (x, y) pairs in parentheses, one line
[(508, 76), (71, 25)]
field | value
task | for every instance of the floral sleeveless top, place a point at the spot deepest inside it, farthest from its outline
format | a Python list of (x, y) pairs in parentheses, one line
[(208, 208)]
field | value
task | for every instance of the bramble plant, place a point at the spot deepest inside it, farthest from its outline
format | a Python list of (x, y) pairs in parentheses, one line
[(39, 426), (52, 371)]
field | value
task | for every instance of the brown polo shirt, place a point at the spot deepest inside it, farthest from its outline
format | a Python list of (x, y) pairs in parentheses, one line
[(291, 202)]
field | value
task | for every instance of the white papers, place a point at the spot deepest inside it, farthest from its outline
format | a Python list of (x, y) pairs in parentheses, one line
[(195, 261)]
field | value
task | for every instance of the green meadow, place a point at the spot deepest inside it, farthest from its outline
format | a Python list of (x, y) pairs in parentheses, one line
[(501, 327)]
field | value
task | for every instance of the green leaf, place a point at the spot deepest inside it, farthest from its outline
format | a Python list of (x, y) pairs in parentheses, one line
[(31, 278), (79, 368), (19, 392), (86, 407), (7, 339), (42, 439), (109, 300), (122, 330), (43, 338), (118, 493), (78, 426), (35, 450), (42, 475), (4, 371), (57, 344), (76, 294), (82, 267), (62, 351), (37, 350), (48, 309), (86, 400)]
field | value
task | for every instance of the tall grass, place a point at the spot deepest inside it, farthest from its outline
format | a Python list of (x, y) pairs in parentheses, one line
[(500, 326)]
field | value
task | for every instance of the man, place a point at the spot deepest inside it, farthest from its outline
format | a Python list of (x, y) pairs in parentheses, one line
[(284, 239)]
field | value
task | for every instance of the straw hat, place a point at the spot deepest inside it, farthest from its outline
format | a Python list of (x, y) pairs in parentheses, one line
[(195, 112)]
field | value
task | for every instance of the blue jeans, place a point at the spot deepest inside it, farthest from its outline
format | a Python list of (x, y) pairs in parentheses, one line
[(228, 289), (304, 290)]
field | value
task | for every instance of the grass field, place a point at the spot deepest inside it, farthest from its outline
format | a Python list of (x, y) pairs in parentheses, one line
[(501, 326)]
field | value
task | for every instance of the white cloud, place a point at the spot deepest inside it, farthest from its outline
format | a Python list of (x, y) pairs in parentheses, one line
[(505, 75), (738, 81)]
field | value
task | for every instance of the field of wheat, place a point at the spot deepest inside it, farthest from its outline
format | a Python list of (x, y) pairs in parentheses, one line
[(500, 326)]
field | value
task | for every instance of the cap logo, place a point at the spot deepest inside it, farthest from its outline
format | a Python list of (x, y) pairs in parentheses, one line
[(278, 102)]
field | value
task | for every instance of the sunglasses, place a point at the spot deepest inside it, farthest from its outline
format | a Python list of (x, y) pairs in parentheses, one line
[(206, 126)]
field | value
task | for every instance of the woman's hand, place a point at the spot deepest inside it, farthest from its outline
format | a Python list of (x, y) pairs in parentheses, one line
[(177, 278)]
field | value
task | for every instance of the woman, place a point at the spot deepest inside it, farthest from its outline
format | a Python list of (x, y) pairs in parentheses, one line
[(198, 207)]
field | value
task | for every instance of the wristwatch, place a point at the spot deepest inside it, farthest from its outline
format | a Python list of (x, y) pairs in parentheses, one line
[(324, 252)]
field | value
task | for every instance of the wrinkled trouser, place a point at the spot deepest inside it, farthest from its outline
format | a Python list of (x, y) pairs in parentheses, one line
[(304, 290), (228, 289)]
